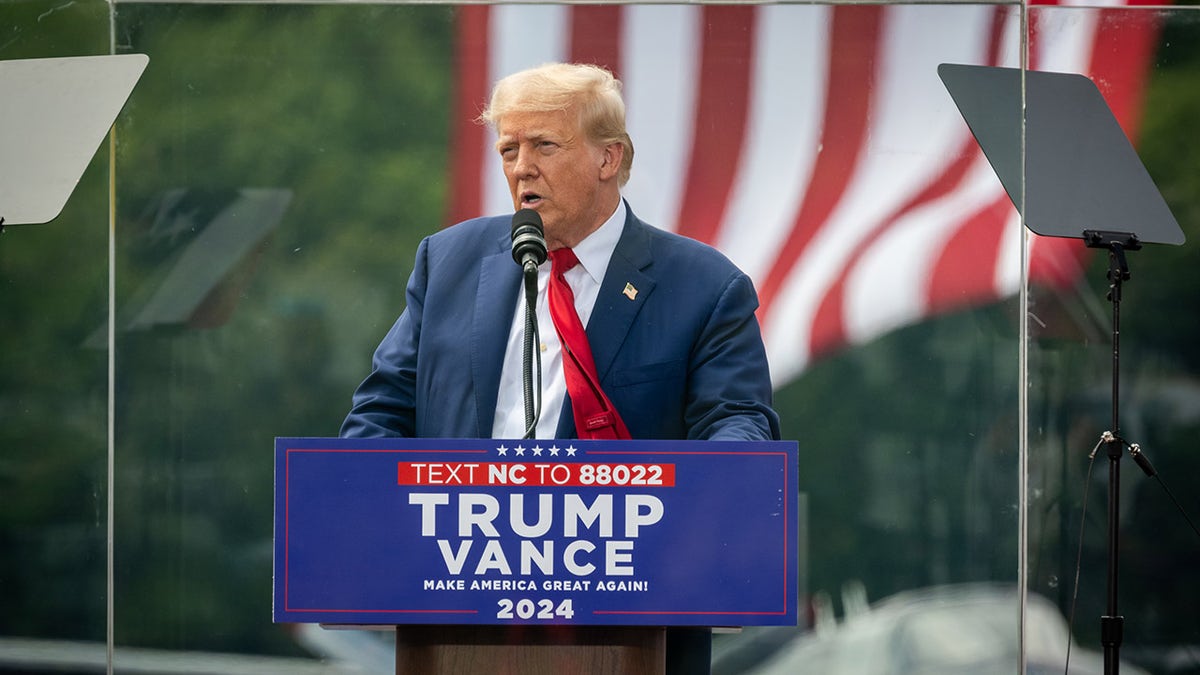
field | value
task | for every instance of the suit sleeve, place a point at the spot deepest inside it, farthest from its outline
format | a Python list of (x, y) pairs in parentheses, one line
[(729, 382), (384, 405)]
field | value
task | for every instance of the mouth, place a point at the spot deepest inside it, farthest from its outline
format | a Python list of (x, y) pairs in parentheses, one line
[(530, 200)]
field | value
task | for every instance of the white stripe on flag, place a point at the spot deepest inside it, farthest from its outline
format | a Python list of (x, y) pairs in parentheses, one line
[(660, 44), (520, 37), (786, 113)]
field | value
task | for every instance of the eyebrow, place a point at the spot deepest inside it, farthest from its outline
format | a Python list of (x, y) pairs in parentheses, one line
[(536, 135)]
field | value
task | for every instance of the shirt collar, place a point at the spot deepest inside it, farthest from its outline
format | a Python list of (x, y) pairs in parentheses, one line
[(597, 248)]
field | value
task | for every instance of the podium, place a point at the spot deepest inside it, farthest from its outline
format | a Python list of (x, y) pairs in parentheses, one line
[(536, 650), (508, 556)]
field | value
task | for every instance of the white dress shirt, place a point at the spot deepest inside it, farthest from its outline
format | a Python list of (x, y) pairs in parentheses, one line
[(585, 280)]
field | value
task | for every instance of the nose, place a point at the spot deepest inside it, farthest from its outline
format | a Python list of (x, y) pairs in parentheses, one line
[(525, 165)]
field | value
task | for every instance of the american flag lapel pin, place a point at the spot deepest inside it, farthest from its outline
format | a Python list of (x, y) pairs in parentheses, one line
[(630, 292)]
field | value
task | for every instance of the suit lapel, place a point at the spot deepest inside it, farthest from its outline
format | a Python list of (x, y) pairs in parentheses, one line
[(499, 281), (624, 292)]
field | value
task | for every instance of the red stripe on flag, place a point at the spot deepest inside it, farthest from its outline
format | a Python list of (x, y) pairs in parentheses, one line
[(1056, 261), (1124, 48), (829, 326), (471, 87), (720, 129), (965, 272), (596, 36), (854, 43)]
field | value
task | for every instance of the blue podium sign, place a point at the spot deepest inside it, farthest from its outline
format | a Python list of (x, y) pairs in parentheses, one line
[(401, 531)]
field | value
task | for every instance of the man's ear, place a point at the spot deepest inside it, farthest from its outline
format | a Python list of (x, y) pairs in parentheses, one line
[(612, 155)]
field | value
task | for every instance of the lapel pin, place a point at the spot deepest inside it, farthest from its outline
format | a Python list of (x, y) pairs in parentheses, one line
[(630, 292)]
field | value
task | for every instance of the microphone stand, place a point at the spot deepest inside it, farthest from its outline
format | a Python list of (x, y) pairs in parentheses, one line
[(531, 357)]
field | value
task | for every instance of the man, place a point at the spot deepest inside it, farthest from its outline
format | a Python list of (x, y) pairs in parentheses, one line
[(670, 322)]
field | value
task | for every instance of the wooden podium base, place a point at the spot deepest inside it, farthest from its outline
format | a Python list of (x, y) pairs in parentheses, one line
[(530, 650)]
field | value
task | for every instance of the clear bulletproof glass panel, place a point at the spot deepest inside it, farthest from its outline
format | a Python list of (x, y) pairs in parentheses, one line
[(270, 197), (372, 146), (54, 384), (1071, 370)]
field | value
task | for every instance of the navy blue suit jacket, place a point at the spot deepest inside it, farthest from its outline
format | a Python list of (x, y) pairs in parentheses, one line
[(683, 359)]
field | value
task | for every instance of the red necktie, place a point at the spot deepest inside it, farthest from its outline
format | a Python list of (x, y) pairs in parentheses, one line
[(595, 416)]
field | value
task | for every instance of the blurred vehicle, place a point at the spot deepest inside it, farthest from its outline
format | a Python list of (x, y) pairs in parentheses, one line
[(947, 630)]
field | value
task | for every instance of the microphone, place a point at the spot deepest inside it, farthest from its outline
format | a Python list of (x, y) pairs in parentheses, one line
[(528, 238), (529, 251)]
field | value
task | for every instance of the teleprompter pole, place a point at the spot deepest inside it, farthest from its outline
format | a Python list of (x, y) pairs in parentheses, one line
[(1112, 624)]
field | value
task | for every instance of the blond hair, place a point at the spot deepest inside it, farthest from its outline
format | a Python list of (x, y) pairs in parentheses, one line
[(590, 90)]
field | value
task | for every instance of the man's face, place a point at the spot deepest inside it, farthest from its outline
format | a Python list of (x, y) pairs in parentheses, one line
[(553, 169)]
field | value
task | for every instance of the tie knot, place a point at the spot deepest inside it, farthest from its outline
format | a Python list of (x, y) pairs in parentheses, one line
[(562, 259)]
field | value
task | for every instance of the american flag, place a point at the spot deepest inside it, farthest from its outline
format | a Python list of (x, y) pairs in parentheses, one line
[(814, 145)]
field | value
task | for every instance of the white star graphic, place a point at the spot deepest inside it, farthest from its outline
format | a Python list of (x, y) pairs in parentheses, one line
[(554, 451), (537, 451), (520, 451), (502, 451), (570, 451)]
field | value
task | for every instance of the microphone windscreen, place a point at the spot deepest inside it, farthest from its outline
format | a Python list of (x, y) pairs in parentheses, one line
[(528, 237), (526, 217)]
